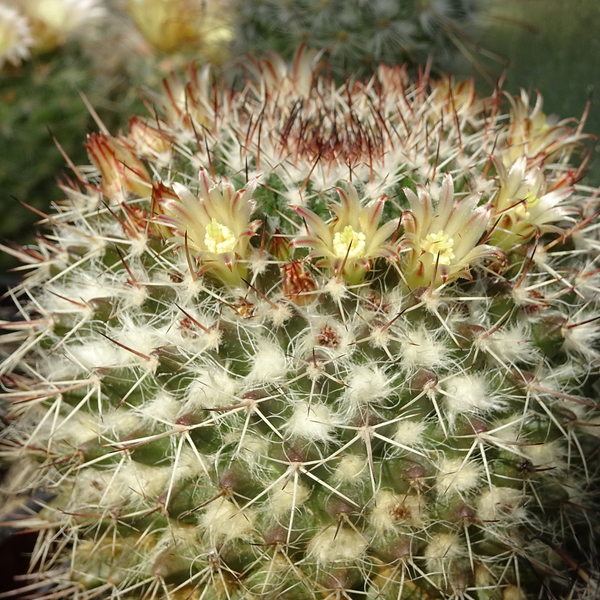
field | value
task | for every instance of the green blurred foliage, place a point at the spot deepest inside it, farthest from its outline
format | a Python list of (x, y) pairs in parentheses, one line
[(37, 100), (552, 46), (40, 102)]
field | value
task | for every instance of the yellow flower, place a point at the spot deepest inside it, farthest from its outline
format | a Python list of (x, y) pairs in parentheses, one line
[(214, 227), (54, 21), (15, 36), (174, 25), (523, 207), (441, 241), (351, 241)]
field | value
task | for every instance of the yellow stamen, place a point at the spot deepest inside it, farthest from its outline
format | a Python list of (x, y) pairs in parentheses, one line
[(530, 201), (440, 245), (219, 238), (348, 238)]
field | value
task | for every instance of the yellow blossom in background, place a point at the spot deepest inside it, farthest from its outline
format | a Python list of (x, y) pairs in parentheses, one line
[(54, 21), (15, 36), (176, 25)]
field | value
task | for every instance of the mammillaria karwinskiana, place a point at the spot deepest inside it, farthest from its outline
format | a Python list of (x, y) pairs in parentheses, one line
[(305, 340)]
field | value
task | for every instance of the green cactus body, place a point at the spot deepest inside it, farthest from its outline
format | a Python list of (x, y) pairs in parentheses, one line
[(305, 341)]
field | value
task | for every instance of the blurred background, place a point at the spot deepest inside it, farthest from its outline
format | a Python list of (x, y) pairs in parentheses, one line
[(552, 46)]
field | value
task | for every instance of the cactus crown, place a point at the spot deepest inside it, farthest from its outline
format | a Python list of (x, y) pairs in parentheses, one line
[(302, 340)]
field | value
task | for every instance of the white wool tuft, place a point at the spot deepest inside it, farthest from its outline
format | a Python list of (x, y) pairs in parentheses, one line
[(366, 385), (335, 544), (336, 288), (350, 469), (454, 477), (94, 354), (467, 394), (288, 496), (582, 337), (162, 409), (409, 433), (391, 511), (500, 503), (312, 422), (270, 363), (420, 349), (547, 454), (76, 429), (139, 482), (512, 345), (225, 521), (142, 338), (441, 550), (213, 388)]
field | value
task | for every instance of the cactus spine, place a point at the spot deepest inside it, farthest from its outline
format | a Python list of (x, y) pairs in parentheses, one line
[(307, 341)]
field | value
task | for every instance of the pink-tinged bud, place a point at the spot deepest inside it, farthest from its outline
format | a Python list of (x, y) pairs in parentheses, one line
[(279, 246), (149, 140), (123, 173)]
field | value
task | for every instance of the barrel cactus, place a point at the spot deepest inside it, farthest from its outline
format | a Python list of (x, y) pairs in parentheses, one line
[(304, 340)]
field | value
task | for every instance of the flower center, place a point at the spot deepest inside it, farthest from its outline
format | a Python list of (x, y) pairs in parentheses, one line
[(349, 242), (440, 245), (219, 238), (522, 209)]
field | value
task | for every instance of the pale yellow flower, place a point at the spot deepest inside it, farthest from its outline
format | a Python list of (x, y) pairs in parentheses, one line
[(215, 227), (523, 206), (175, 25), (15, 36), (353, 239), (442, 240), (54, 21)]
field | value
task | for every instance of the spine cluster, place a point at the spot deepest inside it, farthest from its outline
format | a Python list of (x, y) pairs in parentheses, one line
[(301, 340)]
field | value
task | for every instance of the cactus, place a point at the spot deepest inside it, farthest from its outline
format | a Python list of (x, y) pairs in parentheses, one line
[(360, 34), (303, 340)]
